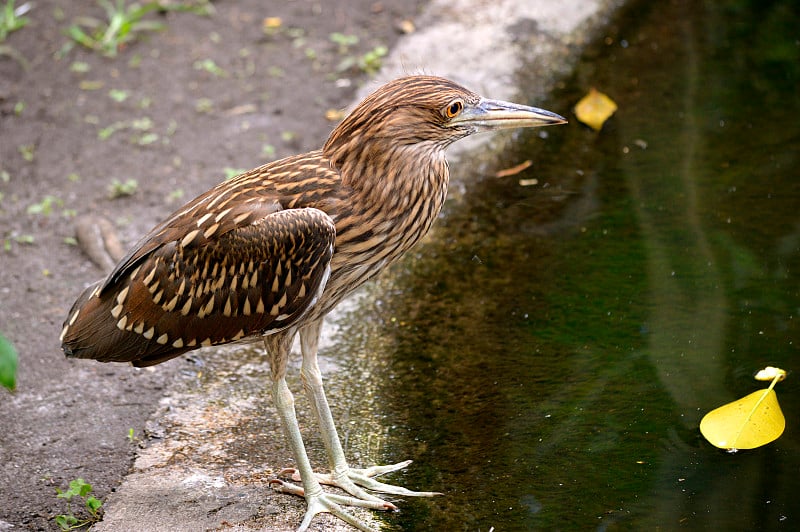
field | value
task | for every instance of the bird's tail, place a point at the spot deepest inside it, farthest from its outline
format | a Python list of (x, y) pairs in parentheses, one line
[(90, 331)]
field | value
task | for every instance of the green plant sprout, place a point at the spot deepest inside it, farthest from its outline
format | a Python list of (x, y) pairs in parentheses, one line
[(372, 61), (8, 364), (118, 95), (233, 172), (118, 189), (79, 489), (143, 124), (344, 41), (124, 24), (368, 63), (211, 67), (12, 19), (28, 152), (24, 239), (46, 206)]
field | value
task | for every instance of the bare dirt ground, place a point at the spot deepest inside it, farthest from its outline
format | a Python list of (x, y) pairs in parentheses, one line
[(173, 111)]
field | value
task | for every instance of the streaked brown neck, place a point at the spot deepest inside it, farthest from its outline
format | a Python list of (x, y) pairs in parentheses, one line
[(397, 195)]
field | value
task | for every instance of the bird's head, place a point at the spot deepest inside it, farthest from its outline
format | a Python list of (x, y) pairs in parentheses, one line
[(428, 110)]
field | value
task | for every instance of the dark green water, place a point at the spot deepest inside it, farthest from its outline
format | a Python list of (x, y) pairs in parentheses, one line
[(554, 347)]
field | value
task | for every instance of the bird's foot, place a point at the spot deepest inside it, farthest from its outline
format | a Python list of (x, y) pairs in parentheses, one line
[(321, 502), (352, 480)]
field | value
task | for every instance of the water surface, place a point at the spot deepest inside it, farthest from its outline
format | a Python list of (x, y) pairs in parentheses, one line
[(553, 347)]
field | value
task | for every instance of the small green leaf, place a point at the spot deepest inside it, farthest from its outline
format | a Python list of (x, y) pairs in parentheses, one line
[(147, 138), (142, 124), (66, 522), (28, 151), (118, 189), (344, 41), (107, 131), (210, 66), (93, 504), (118, 95), (268, 150), (45, 207), (203, 105), (233, 172), (175, 195), (8, 364), (80, 67), (80, 487)]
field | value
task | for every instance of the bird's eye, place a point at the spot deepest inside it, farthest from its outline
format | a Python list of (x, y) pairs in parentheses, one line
[(452, 110)]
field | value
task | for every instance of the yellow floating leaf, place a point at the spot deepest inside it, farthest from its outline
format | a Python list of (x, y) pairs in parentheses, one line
[(594, 109), (750, 422)]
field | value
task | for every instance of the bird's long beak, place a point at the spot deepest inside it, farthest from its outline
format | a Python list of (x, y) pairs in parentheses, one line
[(497, 114)]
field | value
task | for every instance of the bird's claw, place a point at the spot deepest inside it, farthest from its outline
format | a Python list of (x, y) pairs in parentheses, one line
[(364, 479), (353, 479), (344, 500), (286, 487), (322, 502), (291, 472)]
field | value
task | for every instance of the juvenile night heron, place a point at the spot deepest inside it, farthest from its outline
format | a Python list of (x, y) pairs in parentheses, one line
[(272, 251)]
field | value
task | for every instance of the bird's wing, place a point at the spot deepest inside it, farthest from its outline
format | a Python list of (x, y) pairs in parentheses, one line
[(203, 280), (209, 216)]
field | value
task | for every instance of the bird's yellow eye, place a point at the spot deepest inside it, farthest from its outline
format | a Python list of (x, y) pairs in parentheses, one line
[(452, 110)]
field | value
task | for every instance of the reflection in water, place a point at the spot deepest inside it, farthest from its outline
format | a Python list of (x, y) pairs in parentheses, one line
[(548, 352)]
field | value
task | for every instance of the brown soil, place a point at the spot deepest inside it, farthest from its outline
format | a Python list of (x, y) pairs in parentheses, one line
[(71, 419)]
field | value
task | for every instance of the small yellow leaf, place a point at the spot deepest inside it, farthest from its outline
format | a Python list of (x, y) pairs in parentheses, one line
[(334, 115), (406, 26), (272, 23), (594, 109), (90, 85), (750, 422)]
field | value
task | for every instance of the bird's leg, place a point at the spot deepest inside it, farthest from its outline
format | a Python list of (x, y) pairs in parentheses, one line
[(318, 501), (342, 475)]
